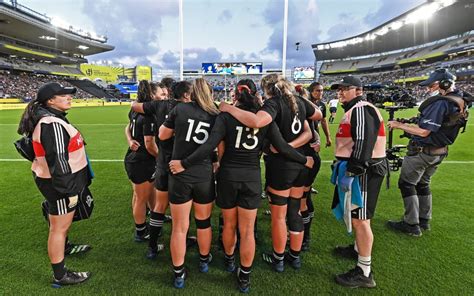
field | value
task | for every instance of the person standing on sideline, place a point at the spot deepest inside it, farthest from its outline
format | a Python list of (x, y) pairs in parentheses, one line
[(441, 118), (360, 145), (60, 169)]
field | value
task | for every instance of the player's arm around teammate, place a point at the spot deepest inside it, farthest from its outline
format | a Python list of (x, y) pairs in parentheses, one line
[(285, 179), (191, 124)]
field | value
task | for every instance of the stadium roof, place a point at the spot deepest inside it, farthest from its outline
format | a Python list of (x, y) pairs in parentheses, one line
[(428, 22), (26, 25)]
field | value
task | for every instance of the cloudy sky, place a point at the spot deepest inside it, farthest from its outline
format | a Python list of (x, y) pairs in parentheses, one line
[(145, 32)]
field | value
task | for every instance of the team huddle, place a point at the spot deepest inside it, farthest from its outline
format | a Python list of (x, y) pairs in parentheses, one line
[(186, 152), (204, 154)]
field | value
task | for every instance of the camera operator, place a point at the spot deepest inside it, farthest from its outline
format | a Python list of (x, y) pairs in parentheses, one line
[(441, 117)]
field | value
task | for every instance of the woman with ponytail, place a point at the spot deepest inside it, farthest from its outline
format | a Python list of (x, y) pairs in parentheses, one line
[(285, 179), (140, 162), (190, 123), (238, 181), (60, 169)]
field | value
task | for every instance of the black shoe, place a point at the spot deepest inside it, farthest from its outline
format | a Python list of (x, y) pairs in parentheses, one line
[(229, 265), (75, 249), (178, 281), (346, 252), (277, 265), (167, 219), (425, 224), (244, 285), (313, 190), (71, 278), (294, 262), (355, 278), (151, 253), (402, 226)]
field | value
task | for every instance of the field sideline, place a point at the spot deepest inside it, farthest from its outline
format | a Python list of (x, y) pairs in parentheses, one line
[(438, 263)]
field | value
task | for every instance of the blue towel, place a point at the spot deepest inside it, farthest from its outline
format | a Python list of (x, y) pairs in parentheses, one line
[(342, 208)]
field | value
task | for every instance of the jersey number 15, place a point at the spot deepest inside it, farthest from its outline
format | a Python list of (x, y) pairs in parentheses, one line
[(199, 130)]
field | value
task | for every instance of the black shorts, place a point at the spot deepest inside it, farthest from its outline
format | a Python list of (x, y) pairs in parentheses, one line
[(201, 193), (139, 172), (332, 109), (161, 179), (58, 203), (370, 186), (279, 179), (313, 172), (231, 194)]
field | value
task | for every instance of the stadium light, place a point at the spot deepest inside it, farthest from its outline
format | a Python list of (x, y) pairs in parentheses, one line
[(423, 12), (83, 47)]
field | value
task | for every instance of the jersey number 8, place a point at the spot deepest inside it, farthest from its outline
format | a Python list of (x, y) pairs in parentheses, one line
[(249, 136), (199, 130)]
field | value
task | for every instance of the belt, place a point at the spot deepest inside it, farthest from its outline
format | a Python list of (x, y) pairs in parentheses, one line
[(435, 151)]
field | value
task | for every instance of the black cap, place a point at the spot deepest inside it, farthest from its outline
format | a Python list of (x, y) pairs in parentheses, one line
[(347, 81), (51, 89), (438, 75)]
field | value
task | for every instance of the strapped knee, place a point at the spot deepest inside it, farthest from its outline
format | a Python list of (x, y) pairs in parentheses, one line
[(406, 188), (277, 200), (295, 221), (203, 224), (423, 189)]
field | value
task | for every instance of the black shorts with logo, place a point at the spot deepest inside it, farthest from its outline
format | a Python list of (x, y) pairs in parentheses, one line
[(332, 109), (58, 203), (141, 171), (231, 194), (181, 192)]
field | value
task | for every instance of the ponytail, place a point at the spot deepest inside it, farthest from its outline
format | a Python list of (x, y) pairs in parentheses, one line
[(276, 85), (144, 91), (245, 94), (27, 122), (202, 95)]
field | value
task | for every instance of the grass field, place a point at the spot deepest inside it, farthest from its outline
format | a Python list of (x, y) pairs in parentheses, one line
[(439, 263)]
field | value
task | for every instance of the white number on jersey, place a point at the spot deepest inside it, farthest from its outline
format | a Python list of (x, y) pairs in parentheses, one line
[(296, 125), (251, 137), (199, 130)]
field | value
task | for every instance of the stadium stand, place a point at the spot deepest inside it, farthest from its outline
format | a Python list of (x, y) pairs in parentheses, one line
[(405, 50), (34, 50)]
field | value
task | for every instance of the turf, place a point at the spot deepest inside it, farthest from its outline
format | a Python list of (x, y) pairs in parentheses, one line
[(440, 262)]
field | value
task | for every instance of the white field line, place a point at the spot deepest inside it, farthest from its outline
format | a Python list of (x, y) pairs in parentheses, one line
[(324, 161)]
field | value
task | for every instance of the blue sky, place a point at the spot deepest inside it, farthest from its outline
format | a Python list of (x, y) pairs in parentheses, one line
[(145, 32)]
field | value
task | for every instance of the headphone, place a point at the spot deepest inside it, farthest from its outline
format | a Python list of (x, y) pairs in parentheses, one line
[(447, 81)]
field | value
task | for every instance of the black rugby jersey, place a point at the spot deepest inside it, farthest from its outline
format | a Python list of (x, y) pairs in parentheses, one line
[(160, 110), (290, 125), (191, 126), (241, 159), (140, 126)]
